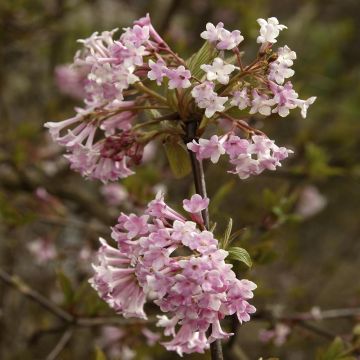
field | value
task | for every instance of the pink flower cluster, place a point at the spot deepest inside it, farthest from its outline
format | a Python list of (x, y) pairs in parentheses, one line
[(102, 140), (164, 257), (106, 157), (261, 99), (249, 157)]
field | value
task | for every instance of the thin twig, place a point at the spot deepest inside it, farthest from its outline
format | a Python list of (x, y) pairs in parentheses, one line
[(60, 346), (63, 315), (321, 332), (18, 284)]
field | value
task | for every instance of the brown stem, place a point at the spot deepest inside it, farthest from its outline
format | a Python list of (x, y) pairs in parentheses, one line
[(200, 187)]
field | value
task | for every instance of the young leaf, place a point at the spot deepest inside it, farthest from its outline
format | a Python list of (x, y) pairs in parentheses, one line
[(213, 227), (240, 254), (336, 351), (205, 55), (178, 159), (227, 234)]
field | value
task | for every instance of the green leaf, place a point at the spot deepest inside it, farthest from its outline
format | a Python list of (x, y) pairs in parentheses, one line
[(336, 351), (99, 354), (66, 287), (204, 56), (213, 227), (178, 158), (227, 234), (240, 254)]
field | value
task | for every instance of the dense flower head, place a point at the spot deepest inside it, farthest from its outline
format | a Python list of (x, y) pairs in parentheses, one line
[(249, 157), (164, 257), (115, 75)]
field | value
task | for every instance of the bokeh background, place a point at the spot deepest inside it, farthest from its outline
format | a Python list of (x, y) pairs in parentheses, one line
[(300, 224)]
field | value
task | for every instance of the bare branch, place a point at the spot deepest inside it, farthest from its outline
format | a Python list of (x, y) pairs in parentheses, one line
[(60, 346), (18, 284)]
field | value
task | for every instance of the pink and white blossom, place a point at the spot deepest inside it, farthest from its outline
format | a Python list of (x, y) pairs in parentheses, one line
[(212, 32), (179, 78), (280, 69), (196, 203), (208, 149), (218, 71), (229, 40), (261, 103), (157, 71), (224, 39)]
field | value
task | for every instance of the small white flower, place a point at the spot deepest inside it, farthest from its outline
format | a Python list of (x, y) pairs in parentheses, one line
[(215, 103), (304, 105), (269, 30), (280, 68), (219, 71)]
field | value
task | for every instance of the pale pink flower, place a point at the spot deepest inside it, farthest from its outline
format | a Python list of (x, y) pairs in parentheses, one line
[(114, 194), (278, 334), (212, 33), (225, 39), (71, 80), (208, 149), (241, 99), (207, 99), (310, 202), (157, 71), (261, 104), (151, 337), (136, 36), (43, 250), (285, 98), (196, 204), (179, 77), (229, 40)]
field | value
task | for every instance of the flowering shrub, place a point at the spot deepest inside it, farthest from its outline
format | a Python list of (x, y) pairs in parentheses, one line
[(163, 256)]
